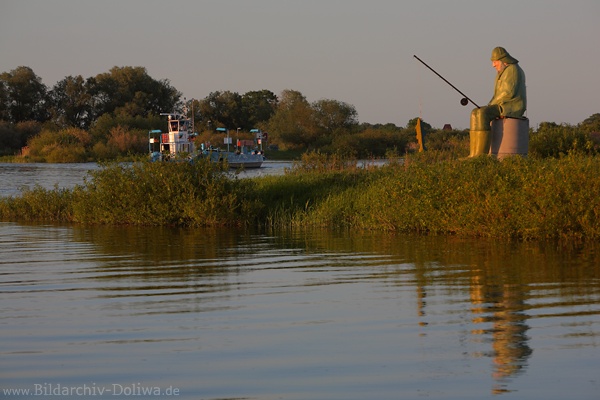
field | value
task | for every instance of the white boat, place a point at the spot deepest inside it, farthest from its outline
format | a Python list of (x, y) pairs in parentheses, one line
[(178, 144)]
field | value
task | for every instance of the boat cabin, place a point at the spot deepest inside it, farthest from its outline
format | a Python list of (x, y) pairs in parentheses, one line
[(178, 141)]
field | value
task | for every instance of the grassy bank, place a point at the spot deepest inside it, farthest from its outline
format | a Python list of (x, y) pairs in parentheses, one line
[(516, 198)]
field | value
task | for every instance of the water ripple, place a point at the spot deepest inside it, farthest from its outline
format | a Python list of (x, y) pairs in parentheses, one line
[(226, 314)]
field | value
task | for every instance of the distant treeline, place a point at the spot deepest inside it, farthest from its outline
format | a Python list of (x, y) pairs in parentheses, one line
[(109, 116)]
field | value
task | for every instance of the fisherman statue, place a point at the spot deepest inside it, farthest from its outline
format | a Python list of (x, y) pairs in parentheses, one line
[(509, 101)]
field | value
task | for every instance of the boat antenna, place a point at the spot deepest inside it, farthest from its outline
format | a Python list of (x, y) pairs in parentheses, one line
[(193, 129)]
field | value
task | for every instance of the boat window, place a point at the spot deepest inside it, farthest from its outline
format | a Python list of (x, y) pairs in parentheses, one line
[(174, 126)]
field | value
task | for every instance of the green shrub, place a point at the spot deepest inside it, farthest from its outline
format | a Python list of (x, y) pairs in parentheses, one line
[(371, 143), (454, 141), (170, 193), (315, 161), (65, 146), (552, 140), (38, 204)]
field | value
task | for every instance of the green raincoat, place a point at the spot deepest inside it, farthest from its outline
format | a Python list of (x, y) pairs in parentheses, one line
[(509, 91)]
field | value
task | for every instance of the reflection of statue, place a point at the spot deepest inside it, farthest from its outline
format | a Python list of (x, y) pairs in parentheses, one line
[(509, 100), (502, 305)]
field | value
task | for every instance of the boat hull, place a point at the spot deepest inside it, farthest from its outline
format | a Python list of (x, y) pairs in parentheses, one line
[(235, 160)]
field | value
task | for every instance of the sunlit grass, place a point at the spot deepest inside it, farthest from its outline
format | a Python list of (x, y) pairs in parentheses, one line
[(432, 193)]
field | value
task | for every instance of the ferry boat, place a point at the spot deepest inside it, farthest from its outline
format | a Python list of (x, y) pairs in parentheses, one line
[(178, 144)]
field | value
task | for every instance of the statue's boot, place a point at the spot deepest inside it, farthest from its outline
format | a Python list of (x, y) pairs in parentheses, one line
[(480, 142)]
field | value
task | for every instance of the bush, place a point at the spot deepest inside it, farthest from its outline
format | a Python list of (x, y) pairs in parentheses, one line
[(318, 162), (169, 193), (102, 152), (455, 141), (38, 204), (71, 153), (371, 143), (64, 146), (125, 141), (552, 140)]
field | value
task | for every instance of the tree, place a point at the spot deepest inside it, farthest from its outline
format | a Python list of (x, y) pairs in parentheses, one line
[(131, 91), (334, 117), (591, 123), (10, 139), (14, 136), (258, 107), (24, 96), (292, 124), (71, 103), (101, 130), (222, 110), (425, 127), (4, 101)]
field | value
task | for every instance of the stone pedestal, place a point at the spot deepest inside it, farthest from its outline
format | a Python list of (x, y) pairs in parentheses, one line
[(510, 136)]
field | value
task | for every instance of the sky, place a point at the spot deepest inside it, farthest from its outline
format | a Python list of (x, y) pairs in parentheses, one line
[(356, 51)]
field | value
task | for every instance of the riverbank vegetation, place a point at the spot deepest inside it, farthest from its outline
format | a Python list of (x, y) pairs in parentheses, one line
[(428, 193), (553, 193)]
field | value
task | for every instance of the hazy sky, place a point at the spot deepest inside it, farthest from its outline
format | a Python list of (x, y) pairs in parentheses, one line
[(356, 51)]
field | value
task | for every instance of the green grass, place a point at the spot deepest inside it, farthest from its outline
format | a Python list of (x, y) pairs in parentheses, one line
[(429, 193)]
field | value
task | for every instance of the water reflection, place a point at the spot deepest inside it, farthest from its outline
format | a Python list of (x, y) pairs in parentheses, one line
[(502, 306), (506, 282), (500, 277), (296, 315)]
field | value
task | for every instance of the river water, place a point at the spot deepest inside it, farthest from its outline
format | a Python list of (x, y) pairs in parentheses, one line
[(116, 312)]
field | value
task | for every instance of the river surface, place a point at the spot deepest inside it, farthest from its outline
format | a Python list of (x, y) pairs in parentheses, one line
[(121, 312)]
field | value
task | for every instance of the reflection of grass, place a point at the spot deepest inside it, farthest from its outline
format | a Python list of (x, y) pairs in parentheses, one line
[(427, 193)]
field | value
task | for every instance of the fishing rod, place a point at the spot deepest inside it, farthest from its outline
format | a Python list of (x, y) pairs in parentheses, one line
[(465, 100)]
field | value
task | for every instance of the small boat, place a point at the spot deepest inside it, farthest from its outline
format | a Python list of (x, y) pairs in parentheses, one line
[(178, 144)]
